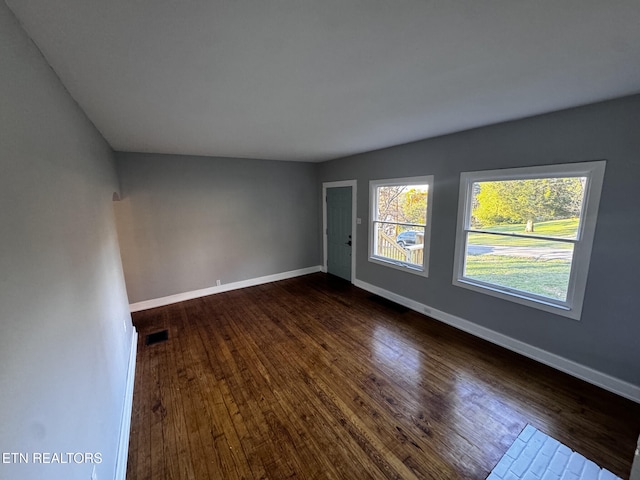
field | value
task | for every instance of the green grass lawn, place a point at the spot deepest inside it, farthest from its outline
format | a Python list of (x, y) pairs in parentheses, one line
[(566, 228), (549, 278)]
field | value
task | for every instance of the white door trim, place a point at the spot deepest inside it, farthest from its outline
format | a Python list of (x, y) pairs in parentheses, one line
[(354, 195)]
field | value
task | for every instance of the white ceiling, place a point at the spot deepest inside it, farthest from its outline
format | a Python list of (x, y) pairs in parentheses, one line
[(312, 80)]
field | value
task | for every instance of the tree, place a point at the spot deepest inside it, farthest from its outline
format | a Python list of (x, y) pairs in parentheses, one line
[(401, 204), (389, 207), (527, 201), (414, 206)]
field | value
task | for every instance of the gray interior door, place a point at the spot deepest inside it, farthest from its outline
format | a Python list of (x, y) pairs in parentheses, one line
[(339, 241)]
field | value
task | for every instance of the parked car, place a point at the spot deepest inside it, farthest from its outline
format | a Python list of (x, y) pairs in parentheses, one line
[(407, 238)]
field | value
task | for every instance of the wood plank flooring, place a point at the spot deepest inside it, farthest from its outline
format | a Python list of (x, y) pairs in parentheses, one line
[(312, 378)]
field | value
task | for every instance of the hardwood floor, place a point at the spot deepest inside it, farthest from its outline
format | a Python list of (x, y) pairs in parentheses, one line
[(312, 378)]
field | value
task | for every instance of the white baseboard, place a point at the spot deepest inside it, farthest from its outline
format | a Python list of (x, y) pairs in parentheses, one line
[(125, 422), (595, 377), (181, 297)]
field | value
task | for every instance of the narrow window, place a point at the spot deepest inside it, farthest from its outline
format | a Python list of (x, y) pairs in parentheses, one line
[(525, 234), (400, 223)]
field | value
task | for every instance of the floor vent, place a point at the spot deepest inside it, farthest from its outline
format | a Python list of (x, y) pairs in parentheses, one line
[(157, 337), (396, 307)]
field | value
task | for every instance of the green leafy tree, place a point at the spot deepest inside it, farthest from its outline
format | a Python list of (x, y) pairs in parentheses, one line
[(401, 204), (414, 206), (527, 201)]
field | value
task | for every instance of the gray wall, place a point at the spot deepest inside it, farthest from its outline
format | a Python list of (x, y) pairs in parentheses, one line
[(65, 330), (185, 222), (606, 338)]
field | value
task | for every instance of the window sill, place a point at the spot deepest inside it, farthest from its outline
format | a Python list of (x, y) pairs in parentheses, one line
[(405, 267), (519, 297)]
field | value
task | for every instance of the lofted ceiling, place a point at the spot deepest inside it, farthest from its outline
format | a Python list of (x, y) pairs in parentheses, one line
[(312, 80)]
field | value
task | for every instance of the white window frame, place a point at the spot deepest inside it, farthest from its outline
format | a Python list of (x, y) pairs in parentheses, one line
[(422, 270), (572, 307)]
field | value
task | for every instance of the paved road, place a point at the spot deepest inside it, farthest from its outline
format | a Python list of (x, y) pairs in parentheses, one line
[(532, 252)]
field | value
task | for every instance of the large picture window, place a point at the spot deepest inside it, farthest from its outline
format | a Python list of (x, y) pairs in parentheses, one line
[(400, 223), (525, 234)]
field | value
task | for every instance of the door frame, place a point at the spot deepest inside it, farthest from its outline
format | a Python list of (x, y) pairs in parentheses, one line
[(354, 195)]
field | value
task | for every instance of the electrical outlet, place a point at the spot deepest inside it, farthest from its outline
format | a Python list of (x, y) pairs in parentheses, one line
[(218, 283)]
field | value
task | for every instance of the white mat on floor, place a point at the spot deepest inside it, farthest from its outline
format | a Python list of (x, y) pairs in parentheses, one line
[(536, 456)]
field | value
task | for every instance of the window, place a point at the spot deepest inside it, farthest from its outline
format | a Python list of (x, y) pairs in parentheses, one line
[(400, 223), (525, 234)]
